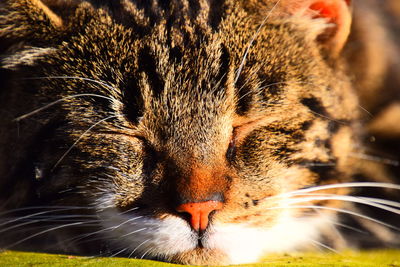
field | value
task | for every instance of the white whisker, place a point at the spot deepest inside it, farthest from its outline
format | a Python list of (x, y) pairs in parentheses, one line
[(59, 101), (112, 228), (375, 159), (366, 111), (18, 225), (245, 83), (383, 201), (54, 209), (45, 231), (100, 82), (349, 227), (370, 199), (147, 251), (32, 215), (127, 211), (141, 244), (343, 198), (338, 210), (119, 252), (80, 137), (335, 222), (255, 35), (318, 164), (335, 186), (134, 232), (51, 219), (286, 82), (324, 246), (328, 118), (343, 185)]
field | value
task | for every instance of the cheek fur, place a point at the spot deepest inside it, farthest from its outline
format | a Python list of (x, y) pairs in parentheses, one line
[(171, 237), (141, 234), (131, 108)]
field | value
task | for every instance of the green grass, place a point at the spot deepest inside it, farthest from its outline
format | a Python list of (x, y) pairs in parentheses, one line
[(390, 258)]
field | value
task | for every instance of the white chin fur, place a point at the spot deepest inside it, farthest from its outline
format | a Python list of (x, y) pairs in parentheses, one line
[(146, 237), (246, 244)]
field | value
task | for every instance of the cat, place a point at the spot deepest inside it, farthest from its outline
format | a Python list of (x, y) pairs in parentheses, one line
[(197, 131)]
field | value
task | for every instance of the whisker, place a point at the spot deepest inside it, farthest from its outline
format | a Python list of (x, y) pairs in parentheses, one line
[(318, 164), (349, 227), (324, 246), (134, 232), (99, 238), (62, 217), (218, 83), (119, 252), (344, 198), (338, 210), (80, 137), (45, 231), (244, 95), (141, 244), (18, 225), (333, 186), (243, 62), (383, 201), (32, 215), (43, 207), (285, 82), (45, 219), (344, 185), (379, 231), (144, 254), (112, 228), (366, 111), (335, 222), (59, 101), (100, 82), (375, 159), (371, 199), (38, 226), (328, 118), (127, 211), (245, 83)]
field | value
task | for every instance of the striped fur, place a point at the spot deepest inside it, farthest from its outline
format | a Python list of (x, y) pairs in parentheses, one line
[(155, 103)]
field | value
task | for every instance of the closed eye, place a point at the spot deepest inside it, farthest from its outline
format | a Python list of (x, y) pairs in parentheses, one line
[(231, 151)]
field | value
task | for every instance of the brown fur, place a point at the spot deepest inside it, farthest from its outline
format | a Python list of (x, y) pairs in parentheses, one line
[(183, 115)]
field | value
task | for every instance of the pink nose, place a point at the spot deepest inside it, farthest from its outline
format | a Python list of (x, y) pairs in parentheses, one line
[(199, 212)]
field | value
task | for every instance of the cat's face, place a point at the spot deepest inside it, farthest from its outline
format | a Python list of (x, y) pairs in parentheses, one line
[(160, 115)]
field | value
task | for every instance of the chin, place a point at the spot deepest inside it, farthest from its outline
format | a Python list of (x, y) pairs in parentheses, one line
[(171, 239)]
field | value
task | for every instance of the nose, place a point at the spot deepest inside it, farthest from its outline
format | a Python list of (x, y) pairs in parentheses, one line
[(199, 212)]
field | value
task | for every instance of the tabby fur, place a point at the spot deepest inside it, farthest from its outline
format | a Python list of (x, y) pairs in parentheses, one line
[(113, 112)]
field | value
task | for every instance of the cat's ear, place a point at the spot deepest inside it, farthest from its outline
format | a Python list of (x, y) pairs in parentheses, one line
[(335, 13)]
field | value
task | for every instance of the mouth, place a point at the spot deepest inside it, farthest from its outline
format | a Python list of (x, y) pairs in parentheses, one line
[(172, 239), (202, 236), (200, 242)]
